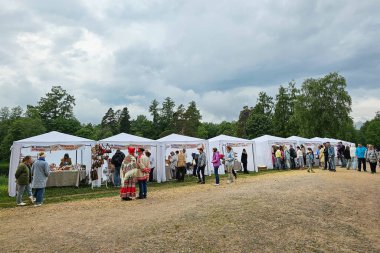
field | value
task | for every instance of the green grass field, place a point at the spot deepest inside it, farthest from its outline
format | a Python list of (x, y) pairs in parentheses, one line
[(63, 194)]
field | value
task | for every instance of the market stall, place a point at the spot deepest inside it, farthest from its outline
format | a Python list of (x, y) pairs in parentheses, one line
[(55, 145), (122, 141), (176, 142), (262, 148), (238, 144)]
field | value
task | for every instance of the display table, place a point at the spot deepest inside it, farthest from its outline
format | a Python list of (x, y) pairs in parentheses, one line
[(65, 178)]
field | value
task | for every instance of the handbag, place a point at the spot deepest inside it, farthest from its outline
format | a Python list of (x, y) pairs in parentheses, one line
[(94, 174)]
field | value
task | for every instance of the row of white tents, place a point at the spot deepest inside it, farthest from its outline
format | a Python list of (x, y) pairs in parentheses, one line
[(258, 149)]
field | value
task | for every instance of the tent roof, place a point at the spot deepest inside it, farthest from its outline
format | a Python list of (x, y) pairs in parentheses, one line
[(268, 138), (54, 138), (223, 137), (297, 138), (126, 138), (180, 139)]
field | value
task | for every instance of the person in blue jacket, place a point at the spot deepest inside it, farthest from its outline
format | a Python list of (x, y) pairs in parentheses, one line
[(361, 153)]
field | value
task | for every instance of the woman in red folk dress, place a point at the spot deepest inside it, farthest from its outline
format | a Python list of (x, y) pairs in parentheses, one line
[(128, 176)]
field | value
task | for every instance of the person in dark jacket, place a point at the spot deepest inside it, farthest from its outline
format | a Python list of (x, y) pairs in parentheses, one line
[(244, 160), (23, 177), (326, 152), (117, 160), (293, 155), (347, 157)]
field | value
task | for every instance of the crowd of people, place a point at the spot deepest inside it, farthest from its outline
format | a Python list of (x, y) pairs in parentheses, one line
[(349, 157), (137, 166)]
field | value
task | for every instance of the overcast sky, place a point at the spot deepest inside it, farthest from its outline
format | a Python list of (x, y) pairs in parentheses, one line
[(218, 53)]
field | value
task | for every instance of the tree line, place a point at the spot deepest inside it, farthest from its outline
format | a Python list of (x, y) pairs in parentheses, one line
[(319, 108)]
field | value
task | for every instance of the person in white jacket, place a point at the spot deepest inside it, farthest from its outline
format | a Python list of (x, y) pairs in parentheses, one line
[(354, 159)]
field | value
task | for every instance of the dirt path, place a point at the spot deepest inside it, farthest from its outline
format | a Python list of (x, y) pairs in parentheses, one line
[(290, 211)]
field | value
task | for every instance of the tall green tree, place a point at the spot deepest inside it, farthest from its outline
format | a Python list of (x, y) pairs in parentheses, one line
[(260, 121), (241, 127), (109, 124), (284, 124), (155, 112), (125, 121), (323, 107), (141, 126), (56, 104), (193, 119), (166, 114)]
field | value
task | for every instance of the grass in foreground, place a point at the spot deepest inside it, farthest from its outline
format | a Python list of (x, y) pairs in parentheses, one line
[(63, 194)]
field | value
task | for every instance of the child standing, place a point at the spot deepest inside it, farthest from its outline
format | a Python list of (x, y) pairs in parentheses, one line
[(309, 160)]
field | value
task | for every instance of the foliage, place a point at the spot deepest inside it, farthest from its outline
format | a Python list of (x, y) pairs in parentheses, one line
[(141, 126), (260, 121), (109, 124), (57, 104), (372, 132), (323, 107), (124, 121)]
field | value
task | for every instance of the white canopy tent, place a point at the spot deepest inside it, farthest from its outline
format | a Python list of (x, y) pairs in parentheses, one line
[(307, 143), (262, 148), (123, 140), (176, 142), (54, 141), (238, 144)]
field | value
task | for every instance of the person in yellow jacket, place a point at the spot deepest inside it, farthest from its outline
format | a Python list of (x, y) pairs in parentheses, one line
[(143, 169)]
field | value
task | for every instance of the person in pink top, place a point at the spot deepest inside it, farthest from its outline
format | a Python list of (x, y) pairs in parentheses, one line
[(216, 164)]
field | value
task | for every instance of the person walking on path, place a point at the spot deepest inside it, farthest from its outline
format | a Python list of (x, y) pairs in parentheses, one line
[(40, 172), (309, 160), (216, 164), (117, 159), (360, 153), (22, 176), (347, 157), (331, 156), (244, 160), (372, 158), (201, 166), (229, 163), (128, 183), (142, 173)]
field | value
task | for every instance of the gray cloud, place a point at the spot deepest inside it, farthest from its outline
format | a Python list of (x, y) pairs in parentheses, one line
[(218, 53)]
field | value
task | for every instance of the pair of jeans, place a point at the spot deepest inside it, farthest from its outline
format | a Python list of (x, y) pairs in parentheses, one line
[(344, 162), (143, 190), (332, 163), (360, 162), (201, 172), (116, 176), (21, 190), (292, 163), (349, 163), (278, 163), (216, 172), (301, 162), (39, 195)]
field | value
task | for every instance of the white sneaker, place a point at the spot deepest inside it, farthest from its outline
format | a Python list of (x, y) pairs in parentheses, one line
[(32, 199), (21, 204), (216, 184), (37, 205)]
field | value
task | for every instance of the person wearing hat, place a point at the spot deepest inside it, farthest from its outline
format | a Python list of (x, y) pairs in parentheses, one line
[(216, 164), (40, 172), (128, 183), (201, 166), (142, 173)]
